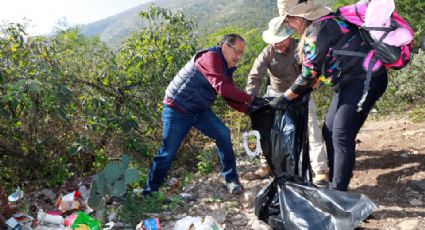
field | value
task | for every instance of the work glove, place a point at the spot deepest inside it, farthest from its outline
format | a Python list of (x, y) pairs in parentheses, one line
[(280, 103), (258, 104), (259, 101)]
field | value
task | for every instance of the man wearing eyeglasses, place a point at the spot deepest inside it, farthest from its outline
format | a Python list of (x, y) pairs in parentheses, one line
[(277, 60), (187, 103)]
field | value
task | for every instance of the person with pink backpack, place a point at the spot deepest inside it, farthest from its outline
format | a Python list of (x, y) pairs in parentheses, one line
[(336, 51)]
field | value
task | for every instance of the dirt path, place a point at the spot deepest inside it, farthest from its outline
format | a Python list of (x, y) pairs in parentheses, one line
[(391, 159), (390, 165)]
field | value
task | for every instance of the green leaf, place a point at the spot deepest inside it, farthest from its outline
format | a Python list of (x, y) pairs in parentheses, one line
[(112, 172), (125, 160), (119, 188), (131, 176)]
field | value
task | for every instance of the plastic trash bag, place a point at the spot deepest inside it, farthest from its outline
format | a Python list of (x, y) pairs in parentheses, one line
[(295, 205), (85, 219), (290, 201), (283, 137)]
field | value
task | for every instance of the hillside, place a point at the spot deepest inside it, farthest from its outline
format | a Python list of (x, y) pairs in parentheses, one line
[(210, 15)]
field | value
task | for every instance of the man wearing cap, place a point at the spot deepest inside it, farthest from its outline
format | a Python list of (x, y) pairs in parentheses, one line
[(278, 60)]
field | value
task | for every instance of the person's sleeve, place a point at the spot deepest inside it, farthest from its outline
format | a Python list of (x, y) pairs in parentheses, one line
[(257, 73), (241, 107), (316, 47), (211, 66)]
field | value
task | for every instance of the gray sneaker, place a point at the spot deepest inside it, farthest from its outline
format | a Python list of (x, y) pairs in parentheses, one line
[(234, 187)]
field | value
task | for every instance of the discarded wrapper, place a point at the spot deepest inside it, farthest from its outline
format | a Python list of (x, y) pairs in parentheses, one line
[(68, 202), (149, 224)]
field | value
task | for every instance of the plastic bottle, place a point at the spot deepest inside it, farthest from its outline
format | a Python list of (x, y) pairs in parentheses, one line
[(43, 217)]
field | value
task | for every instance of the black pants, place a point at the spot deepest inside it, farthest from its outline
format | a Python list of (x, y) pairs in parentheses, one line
[(343, 123)]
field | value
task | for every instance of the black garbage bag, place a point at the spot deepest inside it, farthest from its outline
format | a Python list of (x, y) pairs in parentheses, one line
[(284, 137), (290, 201), (262, 121), (296, 205), (289, 143)]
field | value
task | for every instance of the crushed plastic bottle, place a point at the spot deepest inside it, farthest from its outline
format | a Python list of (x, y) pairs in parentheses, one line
[(18, 194)]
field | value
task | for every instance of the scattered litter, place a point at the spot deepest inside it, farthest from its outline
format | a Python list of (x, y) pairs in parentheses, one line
[(196, 223), (43, 217), (84, 221), (18, 194), (25, 221), (258, 149), (69, 220), (84, 193), (12, 223), (109, 226), (149, 224), (68, 202)]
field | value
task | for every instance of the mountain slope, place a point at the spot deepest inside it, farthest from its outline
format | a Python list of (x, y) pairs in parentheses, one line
[(210, 15)]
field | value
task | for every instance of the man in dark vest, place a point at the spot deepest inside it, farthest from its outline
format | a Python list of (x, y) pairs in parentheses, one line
[(187, 103)]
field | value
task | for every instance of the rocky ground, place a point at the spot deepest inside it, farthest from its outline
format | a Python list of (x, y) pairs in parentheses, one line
[(390, 169)]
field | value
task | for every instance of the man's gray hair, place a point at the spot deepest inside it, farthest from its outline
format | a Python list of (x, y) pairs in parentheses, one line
[(231, 39)]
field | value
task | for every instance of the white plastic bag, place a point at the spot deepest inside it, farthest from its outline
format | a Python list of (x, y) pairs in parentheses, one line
[(258, 149)]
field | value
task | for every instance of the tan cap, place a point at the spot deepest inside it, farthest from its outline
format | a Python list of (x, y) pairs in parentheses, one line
[(277, 31), (307, 9)]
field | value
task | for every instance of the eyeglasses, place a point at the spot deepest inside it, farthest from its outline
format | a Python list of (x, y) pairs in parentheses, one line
[(238, 51)]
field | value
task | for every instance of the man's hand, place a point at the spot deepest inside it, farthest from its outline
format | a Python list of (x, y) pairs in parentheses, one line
[(280, 103), (257, 104), (259, 101)]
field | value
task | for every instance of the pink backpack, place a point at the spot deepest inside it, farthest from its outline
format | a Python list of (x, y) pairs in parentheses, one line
[(390, 36)]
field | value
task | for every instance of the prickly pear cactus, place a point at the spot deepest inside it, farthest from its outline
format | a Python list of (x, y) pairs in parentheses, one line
[(112, 181)]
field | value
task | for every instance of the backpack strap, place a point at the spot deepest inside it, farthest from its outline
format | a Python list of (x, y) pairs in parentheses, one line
[(385, 29), (349, 53), (373, 62), (366, 84)]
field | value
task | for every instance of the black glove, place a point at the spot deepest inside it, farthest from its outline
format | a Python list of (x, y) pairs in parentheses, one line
[(280, 103), (259, 101), (258, 104)]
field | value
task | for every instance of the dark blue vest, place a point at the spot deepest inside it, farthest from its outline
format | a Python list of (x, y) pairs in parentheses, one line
[(190, 90)]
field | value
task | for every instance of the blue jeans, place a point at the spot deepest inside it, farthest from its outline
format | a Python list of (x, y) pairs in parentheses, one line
[(175, 126)]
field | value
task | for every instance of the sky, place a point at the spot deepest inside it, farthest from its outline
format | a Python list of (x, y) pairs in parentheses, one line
[(45, 14)]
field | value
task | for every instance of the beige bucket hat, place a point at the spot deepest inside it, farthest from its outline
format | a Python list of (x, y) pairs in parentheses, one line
[(277, 31), (308, 9)]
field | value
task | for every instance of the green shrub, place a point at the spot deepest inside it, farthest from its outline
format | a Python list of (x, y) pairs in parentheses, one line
[(409, 82)]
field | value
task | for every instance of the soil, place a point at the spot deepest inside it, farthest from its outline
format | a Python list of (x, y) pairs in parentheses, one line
[(390, 165)]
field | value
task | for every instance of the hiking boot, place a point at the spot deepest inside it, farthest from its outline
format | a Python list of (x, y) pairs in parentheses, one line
[(234, 187), (321, 179), (263, 171)]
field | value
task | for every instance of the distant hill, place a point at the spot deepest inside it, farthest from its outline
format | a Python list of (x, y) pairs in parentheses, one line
[(209, 14)]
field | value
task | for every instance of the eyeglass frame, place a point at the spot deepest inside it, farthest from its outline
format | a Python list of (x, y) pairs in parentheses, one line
[(238, 51)]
